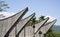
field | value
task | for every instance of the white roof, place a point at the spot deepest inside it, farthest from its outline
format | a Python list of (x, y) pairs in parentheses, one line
[(50, 18)]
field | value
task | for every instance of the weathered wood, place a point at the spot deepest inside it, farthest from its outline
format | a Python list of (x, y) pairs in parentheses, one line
[(28, 31), (39, 25), (44, 29), (7, 23), (21, 25), (47, 26)]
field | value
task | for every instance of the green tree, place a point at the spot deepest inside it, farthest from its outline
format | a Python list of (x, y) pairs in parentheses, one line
[(41, 18), (32, 21), (50, 33), (3, 6)]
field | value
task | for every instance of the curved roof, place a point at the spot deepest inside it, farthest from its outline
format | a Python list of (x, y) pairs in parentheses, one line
[(10, 21), (47, 26), (7, 15)]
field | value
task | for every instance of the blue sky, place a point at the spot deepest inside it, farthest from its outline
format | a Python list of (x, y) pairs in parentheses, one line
[(40, 7)]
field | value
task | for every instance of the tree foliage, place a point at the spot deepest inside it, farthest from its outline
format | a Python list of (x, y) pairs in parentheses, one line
[(3, 6), (41, 18), (50, 33), (32, 21)]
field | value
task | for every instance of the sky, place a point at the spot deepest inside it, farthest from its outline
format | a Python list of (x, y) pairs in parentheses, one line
[(40, 7)]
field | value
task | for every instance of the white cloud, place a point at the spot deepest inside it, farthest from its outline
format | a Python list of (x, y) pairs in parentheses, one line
[(6, 14)]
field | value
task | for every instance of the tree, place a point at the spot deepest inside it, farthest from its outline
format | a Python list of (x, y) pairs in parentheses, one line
[(41, 18), (50, 33), (32, 22), (3, 6)]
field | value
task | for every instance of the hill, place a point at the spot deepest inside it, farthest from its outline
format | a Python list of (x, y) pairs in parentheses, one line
[(56, 28)]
